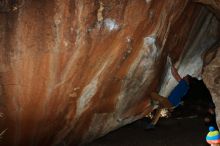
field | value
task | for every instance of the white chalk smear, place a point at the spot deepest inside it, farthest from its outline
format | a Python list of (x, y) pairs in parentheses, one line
[(148, 1), (111, 24)]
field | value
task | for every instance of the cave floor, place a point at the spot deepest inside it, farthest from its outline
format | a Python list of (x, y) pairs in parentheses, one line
[(187, 131)]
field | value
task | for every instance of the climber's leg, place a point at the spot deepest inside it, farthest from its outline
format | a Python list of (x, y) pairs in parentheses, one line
[(156, 116), (154, 120), (163, 101)]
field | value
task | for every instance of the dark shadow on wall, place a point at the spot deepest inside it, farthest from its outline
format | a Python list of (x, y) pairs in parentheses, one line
[(181, 131), (198, 101)]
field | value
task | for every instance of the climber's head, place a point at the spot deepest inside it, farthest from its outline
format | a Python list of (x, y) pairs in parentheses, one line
[(187, 78)]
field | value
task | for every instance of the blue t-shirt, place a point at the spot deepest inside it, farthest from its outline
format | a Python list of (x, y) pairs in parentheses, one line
[(178, 92)]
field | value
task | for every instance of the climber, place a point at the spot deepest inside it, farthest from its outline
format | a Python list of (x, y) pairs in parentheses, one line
[(175, 97), (197, 99)]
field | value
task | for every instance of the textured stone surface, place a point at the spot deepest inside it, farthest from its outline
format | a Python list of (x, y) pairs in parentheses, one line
[(213, 5), (211, 59), (71, 71), (211, 76)]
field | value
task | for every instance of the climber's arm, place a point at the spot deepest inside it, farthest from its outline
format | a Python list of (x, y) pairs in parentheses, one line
[(175, 73)]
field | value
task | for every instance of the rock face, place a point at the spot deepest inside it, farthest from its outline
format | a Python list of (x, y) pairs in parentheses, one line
[(211, 76), (71, 71), (211, 73), (213, 5)]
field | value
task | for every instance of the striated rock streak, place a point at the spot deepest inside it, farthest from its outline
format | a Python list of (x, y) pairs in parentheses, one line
[(213, 5)]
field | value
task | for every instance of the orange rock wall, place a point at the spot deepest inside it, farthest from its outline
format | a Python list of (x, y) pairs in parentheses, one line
[(71, 71)]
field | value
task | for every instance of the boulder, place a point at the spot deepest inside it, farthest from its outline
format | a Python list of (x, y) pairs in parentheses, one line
[(72, 71)]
